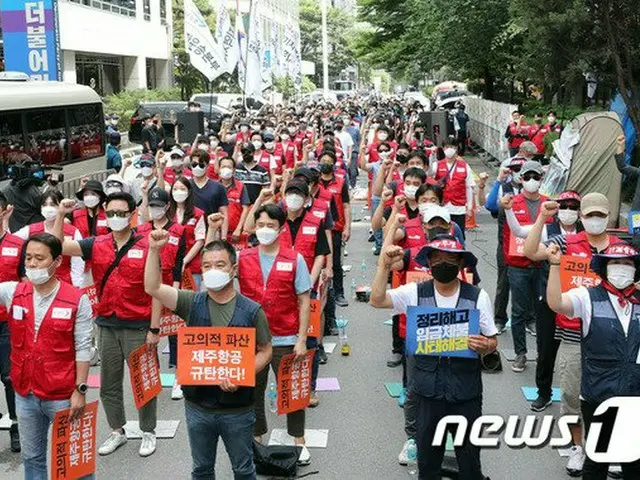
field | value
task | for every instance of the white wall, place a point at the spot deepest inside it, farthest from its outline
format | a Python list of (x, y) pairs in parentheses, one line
[(86, 29)]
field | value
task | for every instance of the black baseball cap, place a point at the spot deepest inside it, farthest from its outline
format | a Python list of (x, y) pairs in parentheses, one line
[(158, 197), (298, 185)]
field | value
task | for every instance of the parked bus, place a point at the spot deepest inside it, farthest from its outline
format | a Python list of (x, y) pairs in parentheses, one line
[(55, 123)]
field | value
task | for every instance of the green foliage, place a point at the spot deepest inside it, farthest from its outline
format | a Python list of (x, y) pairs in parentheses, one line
[(126, 102), (307, 85), (285, 86)]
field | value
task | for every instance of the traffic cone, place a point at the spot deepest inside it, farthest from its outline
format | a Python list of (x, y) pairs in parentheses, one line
[(470, 223)]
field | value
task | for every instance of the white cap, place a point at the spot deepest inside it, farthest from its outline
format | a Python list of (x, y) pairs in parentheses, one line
[(434, 211), (176, 151)]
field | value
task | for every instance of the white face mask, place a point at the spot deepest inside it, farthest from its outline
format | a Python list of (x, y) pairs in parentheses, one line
[(199, 171), (244, 129), (551, 119), (531, 186), (595, 225), (257, 145), (111, 190), (266, 235), (568, 217), (118, 224), (294, 201), (621, 276), (49, 212), (226, 173), (37, 276), (176, 162), (269, 145), (203, 146), (180, 195), (214, 143), (146, 171), (91, 200), (384, 155), (292, 130), (410, 191), (284, 137), (215, 280), (157, 212), (382, 136), (450, 152)]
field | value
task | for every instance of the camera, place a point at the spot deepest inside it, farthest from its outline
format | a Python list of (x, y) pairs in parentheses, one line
[(32, 170)]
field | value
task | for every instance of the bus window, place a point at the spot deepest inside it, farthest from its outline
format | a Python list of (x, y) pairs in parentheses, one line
[(85, 127), (46, 135), (11, 139)]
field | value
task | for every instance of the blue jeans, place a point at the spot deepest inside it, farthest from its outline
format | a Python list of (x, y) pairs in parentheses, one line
[(376, 233), (524, 284), (236, 430), (34, 418)]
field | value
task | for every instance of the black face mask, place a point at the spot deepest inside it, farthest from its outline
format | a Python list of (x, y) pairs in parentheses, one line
[(326, 168), (435, 231), (403, 159), (248, 159), (445, 272)]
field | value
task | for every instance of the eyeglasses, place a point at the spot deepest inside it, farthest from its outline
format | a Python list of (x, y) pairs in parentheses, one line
[(565, 206), (176, 157), (528, 176), (116, 213), (515, 168), (384, 151)]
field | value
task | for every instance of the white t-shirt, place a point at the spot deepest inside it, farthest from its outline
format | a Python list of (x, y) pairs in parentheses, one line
[(345, 140), (582, 309), (469, 183), (407, 296)]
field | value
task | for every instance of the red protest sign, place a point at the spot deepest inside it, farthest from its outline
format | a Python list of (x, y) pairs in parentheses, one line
[(294, 382), (73, 444), (170, 323), (145, 375), (418, 277), (188, 283), (315, 312), (576, 272), (516, 246), (208, 355)]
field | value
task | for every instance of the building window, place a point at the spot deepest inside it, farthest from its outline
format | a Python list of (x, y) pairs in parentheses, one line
[(163, 12), (126, 8), (147, 10)]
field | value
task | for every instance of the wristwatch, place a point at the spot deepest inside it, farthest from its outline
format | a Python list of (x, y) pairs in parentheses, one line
[(155, 331), (82, 388)]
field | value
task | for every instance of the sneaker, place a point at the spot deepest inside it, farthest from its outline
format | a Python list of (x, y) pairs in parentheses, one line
[(371, 238), (341, 301), (377, 251), (403, 458), (322, 355), (394, 360), (15, 438), (519, 364), (531, 329), (402, 398), (314, 400), (615, 471), (112, 443), (148, 445), (501, 328), (334, 332), (576, 461), (176, 391), (540, 404), (305, 456)]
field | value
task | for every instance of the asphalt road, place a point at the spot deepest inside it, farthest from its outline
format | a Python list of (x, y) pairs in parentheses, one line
[(365, 424)]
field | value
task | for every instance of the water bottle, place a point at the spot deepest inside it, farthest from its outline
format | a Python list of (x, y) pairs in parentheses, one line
[(341, 323), (412, 457), (353, 288), (363, 269), (272, 396)]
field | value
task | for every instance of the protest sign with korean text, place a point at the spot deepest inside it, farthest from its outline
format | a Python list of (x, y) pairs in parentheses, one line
[(441, 331), (419, 277), (145, 375), (516, 246), (73, 444), (576, 272), (294, 382), (315, 312), (170, 323), (188, 283), (209, 355)]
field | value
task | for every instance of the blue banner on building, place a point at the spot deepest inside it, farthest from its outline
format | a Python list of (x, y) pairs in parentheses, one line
[(31, 38), (442, 332)]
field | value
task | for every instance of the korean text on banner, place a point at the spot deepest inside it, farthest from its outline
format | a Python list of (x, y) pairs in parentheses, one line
[(92, 292), (516, 246), (442, 332), (188, 283), (170, 323), (145, 375), (73, 444), (314, 318), (576, 272), (208, 355), (31, 38), (204, 53), (418, 277), (294, 382)]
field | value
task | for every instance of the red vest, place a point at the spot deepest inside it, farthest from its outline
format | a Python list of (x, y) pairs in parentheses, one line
[(190, 235), (211, 168), (170, 175), (234, 195), (288, 151), (278, 297), (522, 214), (123, 294), (64, 270), (334, 187), (265, 160), (515, 142), (81, 222), (578, 245), (277, 157), (44, 364), (455, 183), (10, 255), (169, 254), (306, 238), (414, 235)]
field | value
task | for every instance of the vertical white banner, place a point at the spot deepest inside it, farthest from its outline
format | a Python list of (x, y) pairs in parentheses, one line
[(226, 38), (253, 80), (200, 44)]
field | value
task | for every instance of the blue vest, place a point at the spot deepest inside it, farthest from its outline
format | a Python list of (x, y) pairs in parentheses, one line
[(213, 397), (609, 358), (448, 378)]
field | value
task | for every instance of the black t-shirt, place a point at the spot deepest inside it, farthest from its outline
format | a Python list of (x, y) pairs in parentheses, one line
[(322, 245), (410, 212), (148, 135), (210, 197)]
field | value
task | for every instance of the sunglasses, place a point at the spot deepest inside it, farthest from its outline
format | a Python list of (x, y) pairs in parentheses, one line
[(515, 168), (566, 206), (198, 164), (116, 213), (528, 176), (384, 151)]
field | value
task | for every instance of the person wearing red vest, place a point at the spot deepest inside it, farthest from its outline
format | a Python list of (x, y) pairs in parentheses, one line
[(456, 179), (71, 271), (243, 135), (11, 270), (517, 132), (91, 220), (176, 168), (50, 325), (278, 279), (288, 150), (128, 318), (239, 203), (276, 160), (339, 190)]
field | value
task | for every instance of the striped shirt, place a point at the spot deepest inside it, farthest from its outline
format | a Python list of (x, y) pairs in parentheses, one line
[(254, 179)]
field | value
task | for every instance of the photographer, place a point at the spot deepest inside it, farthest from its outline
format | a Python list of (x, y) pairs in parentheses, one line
[(24, 193)]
